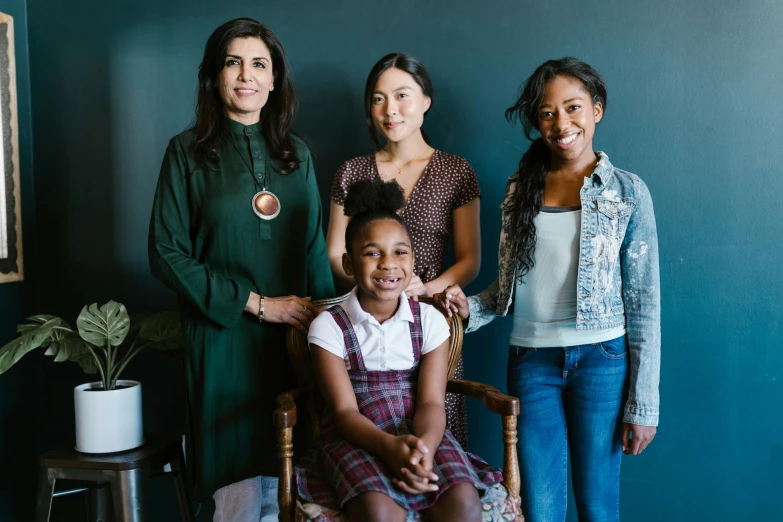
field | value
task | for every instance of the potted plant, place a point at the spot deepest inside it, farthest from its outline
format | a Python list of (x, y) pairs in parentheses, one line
[(108, 412)]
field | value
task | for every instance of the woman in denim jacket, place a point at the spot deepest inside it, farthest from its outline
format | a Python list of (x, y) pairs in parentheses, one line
[(578, 272)]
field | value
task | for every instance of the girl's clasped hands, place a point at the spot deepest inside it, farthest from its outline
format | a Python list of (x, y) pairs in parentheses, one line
[(411, 461)]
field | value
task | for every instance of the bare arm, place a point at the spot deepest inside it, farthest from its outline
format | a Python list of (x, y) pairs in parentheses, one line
[(466, 233), (335, 386), (335, 246), (429, 421)]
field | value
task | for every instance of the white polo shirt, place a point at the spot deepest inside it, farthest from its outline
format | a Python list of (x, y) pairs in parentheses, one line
[(384, 346)]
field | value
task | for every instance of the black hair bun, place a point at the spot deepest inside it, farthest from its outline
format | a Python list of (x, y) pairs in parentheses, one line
[(374, 196)]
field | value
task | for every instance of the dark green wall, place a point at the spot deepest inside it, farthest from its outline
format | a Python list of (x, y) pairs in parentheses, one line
[(693, 108), (19, 390)]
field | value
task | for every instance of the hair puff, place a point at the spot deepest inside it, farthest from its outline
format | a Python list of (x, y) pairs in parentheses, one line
[(374, 196)]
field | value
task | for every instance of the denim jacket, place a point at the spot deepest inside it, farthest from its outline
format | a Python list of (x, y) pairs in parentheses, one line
[(617, 283)]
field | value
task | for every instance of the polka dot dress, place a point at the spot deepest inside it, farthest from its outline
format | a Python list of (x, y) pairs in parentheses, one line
[(447, 182)]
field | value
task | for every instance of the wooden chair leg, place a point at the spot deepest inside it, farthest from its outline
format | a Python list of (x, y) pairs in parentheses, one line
[(43, 503), (510, 459), (286, 489)]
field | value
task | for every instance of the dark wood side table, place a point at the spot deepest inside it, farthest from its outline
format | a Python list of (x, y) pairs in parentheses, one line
[(126, 474)]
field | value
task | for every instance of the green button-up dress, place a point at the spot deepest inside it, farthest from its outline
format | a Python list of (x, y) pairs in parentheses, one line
[(206, 244)]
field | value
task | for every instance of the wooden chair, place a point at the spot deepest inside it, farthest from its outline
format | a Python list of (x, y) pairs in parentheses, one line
[(285, 416)]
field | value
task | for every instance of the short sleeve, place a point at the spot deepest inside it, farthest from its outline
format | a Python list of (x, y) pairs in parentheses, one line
[(325, 332), (435, 326), (467, 186), (353, 170), (342, 180)]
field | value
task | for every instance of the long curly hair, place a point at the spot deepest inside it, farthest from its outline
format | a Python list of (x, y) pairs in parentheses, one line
[(535, 162), (276, 115)]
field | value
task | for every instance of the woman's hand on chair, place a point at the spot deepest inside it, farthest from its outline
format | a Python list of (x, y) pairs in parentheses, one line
[(452, 301), (296, 311)]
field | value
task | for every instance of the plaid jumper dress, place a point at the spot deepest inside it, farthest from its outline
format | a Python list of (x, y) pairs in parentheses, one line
[(335, 471)]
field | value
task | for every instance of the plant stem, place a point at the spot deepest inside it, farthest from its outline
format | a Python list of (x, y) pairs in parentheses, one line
[(125, 360), (98, 363), (109, 366)]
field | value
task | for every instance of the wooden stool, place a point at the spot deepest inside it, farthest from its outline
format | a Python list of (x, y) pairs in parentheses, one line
[(125, 472)]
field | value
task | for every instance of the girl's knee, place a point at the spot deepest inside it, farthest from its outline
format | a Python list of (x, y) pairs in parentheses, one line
[(374, 507), (460, 503)]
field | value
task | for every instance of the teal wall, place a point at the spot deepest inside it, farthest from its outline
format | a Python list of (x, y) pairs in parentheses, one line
[(693, 108)]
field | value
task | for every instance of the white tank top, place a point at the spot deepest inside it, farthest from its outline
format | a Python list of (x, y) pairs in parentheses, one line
[(545, 304)]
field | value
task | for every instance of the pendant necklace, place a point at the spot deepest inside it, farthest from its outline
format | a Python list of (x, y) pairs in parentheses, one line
[(404, 166), (265, 204)]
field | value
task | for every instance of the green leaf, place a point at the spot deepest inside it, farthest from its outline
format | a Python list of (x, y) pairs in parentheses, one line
[(109, 323), (136, 322), (27, 342), (163, 330), (73, 348), (36, 321)]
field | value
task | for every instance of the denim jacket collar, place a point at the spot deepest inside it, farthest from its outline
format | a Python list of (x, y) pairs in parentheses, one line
[(603, 170)]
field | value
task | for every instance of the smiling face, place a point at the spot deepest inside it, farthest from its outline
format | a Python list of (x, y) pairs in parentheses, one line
[(246, 79), (566, 119), (398, 105), (381, 261)]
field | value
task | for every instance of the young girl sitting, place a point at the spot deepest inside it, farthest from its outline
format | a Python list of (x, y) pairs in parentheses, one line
[(381, 364)]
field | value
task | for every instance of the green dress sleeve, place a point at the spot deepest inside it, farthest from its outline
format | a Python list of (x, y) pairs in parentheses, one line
[(320, 284), (217, 296)]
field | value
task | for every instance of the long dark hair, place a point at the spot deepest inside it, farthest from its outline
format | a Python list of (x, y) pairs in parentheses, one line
[(535, 162), (276, 115), (403, 62)]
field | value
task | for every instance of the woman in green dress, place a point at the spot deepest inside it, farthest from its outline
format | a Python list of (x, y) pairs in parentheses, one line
[(236, 232)]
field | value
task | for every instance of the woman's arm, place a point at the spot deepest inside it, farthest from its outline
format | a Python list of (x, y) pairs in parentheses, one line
[(642, 303), (216, 295), (335, 245), (466, 237), (299, 312)]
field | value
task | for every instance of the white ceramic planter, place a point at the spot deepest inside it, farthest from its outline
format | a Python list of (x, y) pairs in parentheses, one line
[(108, 421)]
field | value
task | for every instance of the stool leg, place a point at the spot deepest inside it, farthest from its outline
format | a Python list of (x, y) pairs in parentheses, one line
[(99, 506), (128, 493), (43, 503), (183, 491)]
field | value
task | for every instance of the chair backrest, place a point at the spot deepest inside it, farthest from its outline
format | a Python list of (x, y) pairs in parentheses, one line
[(299, 352)]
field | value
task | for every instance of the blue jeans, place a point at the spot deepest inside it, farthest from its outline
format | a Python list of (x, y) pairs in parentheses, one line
[(570, 398)]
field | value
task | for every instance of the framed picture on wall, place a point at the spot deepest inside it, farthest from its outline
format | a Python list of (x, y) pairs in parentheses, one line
[(10, 197)]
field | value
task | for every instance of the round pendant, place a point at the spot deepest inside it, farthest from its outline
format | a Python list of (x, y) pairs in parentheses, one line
[(266, 205)]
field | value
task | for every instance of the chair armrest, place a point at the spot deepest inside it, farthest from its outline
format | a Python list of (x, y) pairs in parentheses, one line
[(489, 396), (285, 414)]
